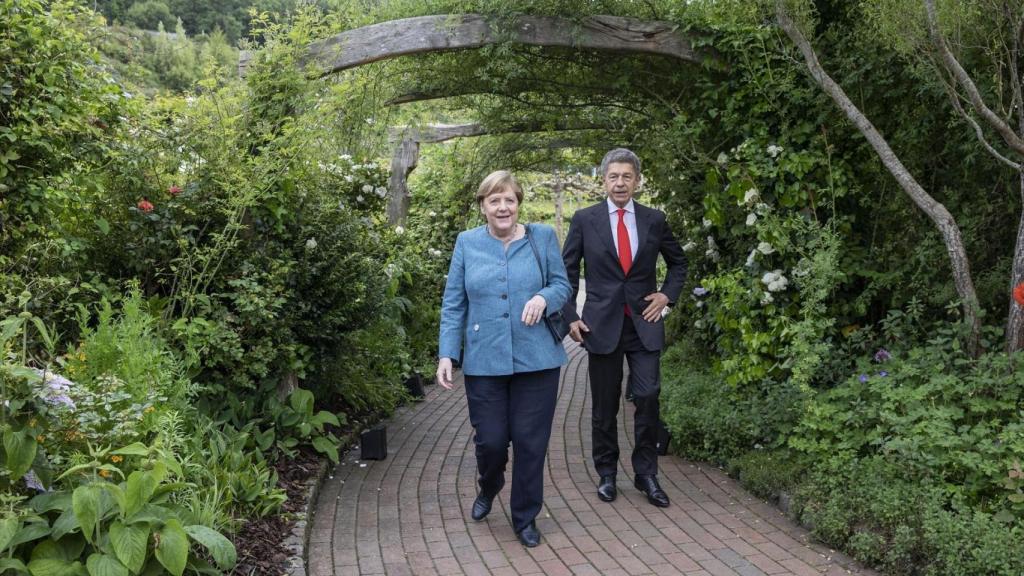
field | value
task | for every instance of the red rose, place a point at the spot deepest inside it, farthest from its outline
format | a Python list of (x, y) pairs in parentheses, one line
[(174, 190), (1018, 294), (145, 205)]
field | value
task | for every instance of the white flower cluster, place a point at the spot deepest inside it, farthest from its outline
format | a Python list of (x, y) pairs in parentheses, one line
[(689, 246), (762, 248), (775, 281), (774, 150), (434, 252), (311, 244), (712, 251)]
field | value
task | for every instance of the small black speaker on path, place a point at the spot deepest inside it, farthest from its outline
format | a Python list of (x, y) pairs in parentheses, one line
[(414, 385), (373, 443), (663, 439)]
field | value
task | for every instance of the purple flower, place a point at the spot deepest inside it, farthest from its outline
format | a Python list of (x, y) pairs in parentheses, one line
[(863, 378), (700, 291), (883, 373), (32, 481), (57, 388), (882, 355)]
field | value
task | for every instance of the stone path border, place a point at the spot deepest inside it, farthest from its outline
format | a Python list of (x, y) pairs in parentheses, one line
[(409, 514)]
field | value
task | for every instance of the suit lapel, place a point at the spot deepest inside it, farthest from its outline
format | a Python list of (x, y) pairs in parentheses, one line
[(603, 228)]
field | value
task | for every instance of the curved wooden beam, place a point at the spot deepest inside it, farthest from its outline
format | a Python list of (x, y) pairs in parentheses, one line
[(407, 152), (446, 32)]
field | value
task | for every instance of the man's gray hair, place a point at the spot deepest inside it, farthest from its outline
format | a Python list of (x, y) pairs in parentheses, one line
[(623, 155)]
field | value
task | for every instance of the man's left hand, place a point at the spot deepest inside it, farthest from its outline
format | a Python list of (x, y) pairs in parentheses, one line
[(658, 302)]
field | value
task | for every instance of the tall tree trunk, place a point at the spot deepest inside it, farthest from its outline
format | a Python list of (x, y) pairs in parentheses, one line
[(938, 213), (1015, 319)]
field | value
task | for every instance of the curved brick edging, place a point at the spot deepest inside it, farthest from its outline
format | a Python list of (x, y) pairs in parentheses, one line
[(299, 535), (409, 514)]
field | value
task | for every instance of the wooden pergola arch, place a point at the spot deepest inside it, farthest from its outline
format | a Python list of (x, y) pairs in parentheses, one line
[(448, 32)]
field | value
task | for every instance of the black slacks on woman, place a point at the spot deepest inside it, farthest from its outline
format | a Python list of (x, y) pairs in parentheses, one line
[(516, 408)]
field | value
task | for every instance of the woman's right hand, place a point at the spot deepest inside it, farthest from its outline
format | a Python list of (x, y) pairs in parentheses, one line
[(444, 373)]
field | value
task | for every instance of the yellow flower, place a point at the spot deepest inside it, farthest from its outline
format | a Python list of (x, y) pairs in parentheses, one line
[(149, 409), (105, 473), (32, 423), (115, 458), (40, 438)]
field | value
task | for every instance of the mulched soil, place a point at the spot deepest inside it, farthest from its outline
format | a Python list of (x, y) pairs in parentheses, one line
[(260, 542)]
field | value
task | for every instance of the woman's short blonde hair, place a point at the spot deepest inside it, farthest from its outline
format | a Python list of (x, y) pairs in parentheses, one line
[(499, 181)]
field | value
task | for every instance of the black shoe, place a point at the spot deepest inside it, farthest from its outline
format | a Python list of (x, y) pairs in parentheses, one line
[(648, 484), (529, 536), (482, 506), (606, 488)]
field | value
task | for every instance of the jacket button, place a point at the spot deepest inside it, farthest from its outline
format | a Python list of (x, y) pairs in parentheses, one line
[(476, 327), (505, 315), (501, 278), (504, 296)]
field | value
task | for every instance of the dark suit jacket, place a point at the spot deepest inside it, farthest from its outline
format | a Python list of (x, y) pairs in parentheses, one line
[(608, 288)]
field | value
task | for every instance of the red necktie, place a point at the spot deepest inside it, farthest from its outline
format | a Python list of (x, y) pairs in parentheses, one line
[(625, 253)]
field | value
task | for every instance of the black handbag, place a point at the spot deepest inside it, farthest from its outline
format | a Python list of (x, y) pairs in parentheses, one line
[(555, 321)]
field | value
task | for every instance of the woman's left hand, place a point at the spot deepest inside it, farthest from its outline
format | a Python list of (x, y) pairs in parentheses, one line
[(534, 310)]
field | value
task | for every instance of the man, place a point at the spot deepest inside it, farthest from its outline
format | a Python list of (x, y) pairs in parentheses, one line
[(619, 240)]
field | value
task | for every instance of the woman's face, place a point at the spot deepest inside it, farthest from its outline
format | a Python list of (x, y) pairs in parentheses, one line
[(501, 209)]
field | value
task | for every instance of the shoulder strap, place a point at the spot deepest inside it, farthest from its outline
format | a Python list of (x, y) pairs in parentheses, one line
[(536, 254)]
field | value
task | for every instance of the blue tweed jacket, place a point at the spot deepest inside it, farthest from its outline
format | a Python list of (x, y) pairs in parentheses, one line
[(483, 303)]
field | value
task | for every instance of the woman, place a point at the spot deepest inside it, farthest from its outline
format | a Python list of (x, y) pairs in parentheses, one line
[(493, 311)]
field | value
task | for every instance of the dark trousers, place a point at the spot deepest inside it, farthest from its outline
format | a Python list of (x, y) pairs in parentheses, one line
[(605, 390), (517, 408)]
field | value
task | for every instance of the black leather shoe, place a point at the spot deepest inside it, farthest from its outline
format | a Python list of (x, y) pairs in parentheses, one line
[(606, 488), (648, 484), (529, 536), (482, 507)]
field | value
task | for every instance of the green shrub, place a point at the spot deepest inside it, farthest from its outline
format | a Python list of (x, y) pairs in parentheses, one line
[(767, 473), (903, 525), (711, 420), (945, 418)]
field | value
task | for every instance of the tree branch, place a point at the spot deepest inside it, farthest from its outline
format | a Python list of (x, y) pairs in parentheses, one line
[(1004, 129), (955, 99), (938, 213)]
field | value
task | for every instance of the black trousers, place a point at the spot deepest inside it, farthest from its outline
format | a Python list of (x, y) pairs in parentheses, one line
[(517, 408), (605, 390)]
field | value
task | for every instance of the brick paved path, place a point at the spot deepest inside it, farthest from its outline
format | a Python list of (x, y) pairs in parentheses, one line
[(409, 514)]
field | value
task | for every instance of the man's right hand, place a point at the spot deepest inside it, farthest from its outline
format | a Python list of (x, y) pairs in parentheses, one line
[(577, 330)]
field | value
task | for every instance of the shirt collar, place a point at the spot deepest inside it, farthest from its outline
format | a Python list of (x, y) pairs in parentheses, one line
[(612, 208)]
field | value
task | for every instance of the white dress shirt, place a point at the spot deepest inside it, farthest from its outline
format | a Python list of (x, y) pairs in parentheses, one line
[(630, 218)]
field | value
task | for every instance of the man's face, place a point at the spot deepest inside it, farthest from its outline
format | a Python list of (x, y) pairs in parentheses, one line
[(620, 182)]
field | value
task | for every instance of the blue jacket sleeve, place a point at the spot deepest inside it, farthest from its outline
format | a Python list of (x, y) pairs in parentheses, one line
[(454, 306), (558, 291)]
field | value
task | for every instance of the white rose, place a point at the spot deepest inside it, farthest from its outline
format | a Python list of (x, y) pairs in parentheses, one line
[(751, 196), (751, 219), (381, 191), (311, 244), (750, 258), (360, 198), (774, 150), (399, 230), (765, 248), (367, 188)]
